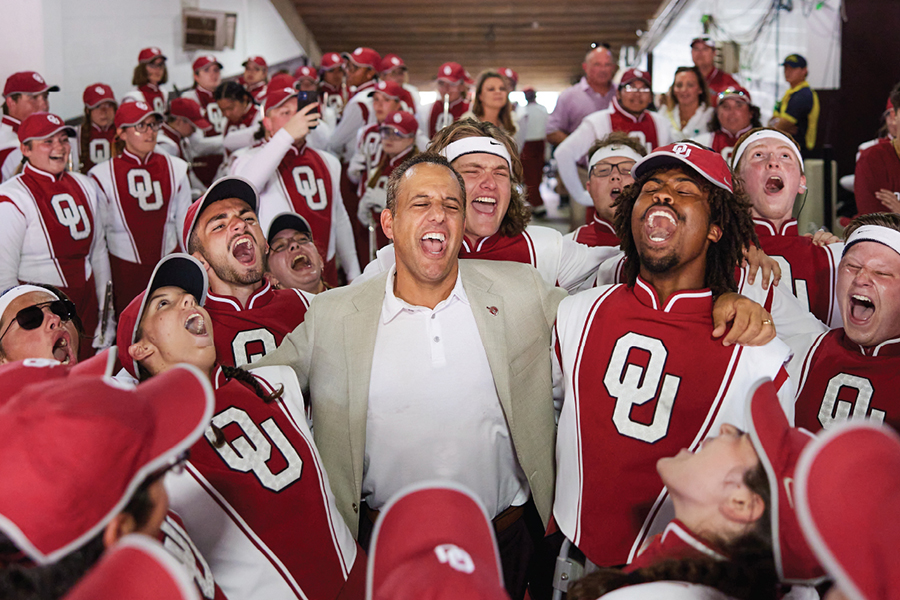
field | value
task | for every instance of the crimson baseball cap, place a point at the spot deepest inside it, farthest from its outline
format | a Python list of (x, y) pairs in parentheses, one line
[(259, 60), (331, 60), (364, 57), (138, 568), (434, 540), (391, 62), (633, 75), (73, 455), (27, 82), (847, 488), (41, 125), (287, 220), (190, 110), (282, 80), (395, 91), (736, 92), (794, 60), (708, 164), (148, 54), (510, 74), (453, 72), (778, 446), (705, 40), (132, 113), (276, 96), (176, 269), (96, 94), (307, 72), (205, 59), (403, 122), (222, 189)]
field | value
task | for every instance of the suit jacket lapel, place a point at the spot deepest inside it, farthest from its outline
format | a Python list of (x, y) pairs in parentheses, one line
[(360, 329)]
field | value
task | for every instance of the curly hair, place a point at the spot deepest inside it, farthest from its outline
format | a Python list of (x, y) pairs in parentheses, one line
[(729, 211), (506, 113), (518, 214)]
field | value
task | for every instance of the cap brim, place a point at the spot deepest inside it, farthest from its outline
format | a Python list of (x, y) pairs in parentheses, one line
[(223, 189), (662, 159), (152, 112), (70, 131), (287, 220)]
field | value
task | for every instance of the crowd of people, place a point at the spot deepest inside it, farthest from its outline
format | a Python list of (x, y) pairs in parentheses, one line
[(310, 290)]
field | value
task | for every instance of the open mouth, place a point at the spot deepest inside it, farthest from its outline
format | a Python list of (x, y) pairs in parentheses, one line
[(484, 205), (774, 184), (433, 243), (861, 307), (660, 224), (62, 351), (300, 262), (614, 193), (243, 251), (196, 324)]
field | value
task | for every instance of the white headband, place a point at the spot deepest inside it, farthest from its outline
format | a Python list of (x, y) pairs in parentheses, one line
[(611, 150), (476, 145), (874, 233), (17, 292), (761, 135)]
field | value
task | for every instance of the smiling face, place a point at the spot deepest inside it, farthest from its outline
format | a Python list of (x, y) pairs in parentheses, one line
[(599, 68), (49, 154), (868, 293), (493, 93), (771, 174), (174, 329), (635, 97), (232, 243), (488, 183), (103, 115), (670, 223), (687, 88), (295, 262), (605, 189), (426, 226), (54, 339), (734, 115)]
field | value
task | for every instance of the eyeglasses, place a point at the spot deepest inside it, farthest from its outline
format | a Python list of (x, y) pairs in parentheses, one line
[(606, 169), (32, 317), (282, 244), (636, 90), (144, 126)]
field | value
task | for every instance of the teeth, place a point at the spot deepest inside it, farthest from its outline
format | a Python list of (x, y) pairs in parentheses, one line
[(662, 213), (242, 241), (434, 236), (62, 343), (300, 258), (485, 199), (195, 324), (862, 298)]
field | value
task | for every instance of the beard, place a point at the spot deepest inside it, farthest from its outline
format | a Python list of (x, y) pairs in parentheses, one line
[(659, 264), (226, 272)]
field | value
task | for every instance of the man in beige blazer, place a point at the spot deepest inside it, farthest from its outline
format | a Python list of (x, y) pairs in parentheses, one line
[(334, 350)]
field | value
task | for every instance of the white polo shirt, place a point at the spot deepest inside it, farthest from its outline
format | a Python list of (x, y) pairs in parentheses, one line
[(433, 408)]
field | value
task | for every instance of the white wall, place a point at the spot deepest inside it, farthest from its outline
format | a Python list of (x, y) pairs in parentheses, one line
[(74, 43), (815, 35)]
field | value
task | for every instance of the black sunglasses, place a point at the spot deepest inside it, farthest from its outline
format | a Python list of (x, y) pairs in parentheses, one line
[(32, 317)]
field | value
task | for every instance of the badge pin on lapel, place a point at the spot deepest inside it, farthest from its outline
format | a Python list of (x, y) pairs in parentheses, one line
[(493, 310)]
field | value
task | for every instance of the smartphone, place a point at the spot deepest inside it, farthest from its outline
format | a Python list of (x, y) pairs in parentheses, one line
[(305, 99)]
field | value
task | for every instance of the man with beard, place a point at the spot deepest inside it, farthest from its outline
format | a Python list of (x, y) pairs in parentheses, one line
[(222, 231), (665, 382)]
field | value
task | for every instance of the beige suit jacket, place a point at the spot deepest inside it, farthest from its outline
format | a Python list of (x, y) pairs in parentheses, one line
[(331, 351)]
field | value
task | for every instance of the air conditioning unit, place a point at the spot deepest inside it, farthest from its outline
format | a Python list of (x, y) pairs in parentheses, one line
[(208, 29), (728, 57)]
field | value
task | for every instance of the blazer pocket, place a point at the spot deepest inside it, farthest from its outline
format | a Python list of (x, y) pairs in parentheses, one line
[(530, 353)]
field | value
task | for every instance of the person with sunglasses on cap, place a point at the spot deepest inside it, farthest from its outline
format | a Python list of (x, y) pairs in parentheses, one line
[(609, 172), (145, 196), (255, 77), (293, 259), (398, 133), (665, 374), (291, 176), (735, 525), (769, 165), (452, 86), (24, 93), (52, 225), (628, 112), (253, 496), (735, 114), (97, 133), (62, 512), (38, 321), (149, 74)]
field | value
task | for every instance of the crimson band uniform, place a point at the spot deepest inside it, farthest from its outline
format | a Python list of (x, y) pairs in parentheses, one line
[(257, 90), (151, 94), (838, 379), (649, 128), (240, 135), (877, 168), (810, 269), (722, 141), (260, 507), (244, 334), (100, 144), (676, 542), (176, 540), (436, 120), (357, 114), (368, 155), (333, 97), (52, 233), (390, 164), (642, 381), (304, 181), (209, 161), (10, 155), (145, 202), (598, 232)]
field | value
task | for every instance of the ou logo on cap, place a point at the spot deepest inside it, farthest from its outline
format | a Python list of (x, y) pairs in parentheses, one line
[(395, 60), (682, 149), (99, 90), (142, 106), (37, 78), (397, 118), (447, 70), (455, 557), (53, 119), (357, 52)]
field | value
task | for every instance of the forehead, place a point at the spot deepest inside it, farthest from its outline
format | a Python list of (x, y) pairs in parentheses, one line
[(429, 179), (226, 206), (675, 173), (481, 159), (874, 252), (56, 137), (688, 75), (289, 233), (733, 103), (612, 160), (700, 46), (210, 67), (492, 80), (23, 301), (600, 57)]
